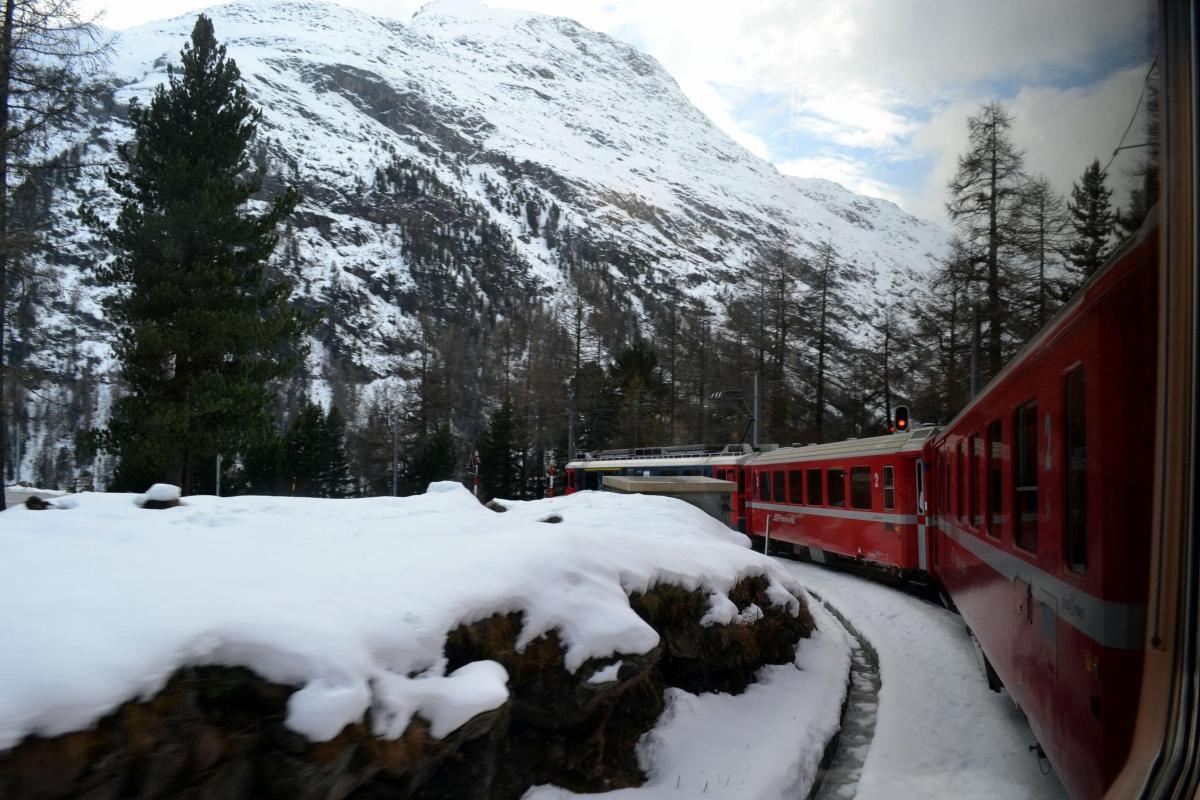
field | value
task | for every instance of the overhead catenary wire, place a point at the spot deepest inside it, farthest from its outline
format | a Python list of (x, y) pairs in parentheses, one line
[(1133, 118)]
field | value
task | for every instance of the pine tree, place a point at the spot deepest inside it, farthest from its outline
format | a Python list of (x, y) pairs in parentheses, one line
[(1044, 231), (829, 317), (303, 456), (435, 461), (500, 456), (639, 395), (335, 468), (985, 201), (314, 453), (1093, 219), (201, 331)]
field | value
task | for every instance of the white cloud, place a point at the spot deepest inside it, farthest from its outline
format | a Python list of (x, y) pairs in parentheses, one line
[(854, 175), (1060, 130)]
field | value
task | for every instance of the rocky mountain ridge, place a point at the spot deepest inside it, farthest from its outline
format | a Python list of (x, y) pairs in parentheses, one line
[(459, 168)]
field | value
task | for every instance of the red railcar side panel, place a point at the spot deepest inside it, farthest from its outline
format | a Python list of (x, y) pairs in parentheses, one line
[(877, 532), (1052, 576)]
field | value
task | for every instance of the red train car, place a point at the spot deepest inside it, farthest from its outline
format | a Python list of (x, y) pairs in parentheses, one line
[(1042, 498), (861, 499)]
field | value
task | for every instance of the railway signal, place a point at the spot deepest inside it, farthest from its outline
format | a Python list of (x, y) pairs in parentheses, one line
[(901, 423)]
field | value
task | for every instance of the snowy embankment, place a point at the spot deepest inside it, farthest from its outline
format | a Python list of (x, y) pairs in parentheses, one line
[(764, 744), (939, 732), (352, 602)]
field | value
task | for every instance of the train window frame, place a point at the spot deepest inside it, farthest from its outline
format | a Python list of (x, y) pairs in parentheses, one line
[(814, 479), (778, 486), (762, 485), (1075, 499), (974, 462), (796, 487), (1025, 461), (994, 466), (889, 487), (960, 510), (840, 483), (860, 471)]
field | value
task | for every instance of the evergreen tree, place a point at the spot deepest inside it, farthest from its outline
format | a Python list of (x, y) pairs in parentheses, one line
[(435, 461), (1093, 219), (263, 469), (201, 331), (937, 356), (303, 457), (639, 395), (830, 316), (985, 201), (500, 455), (335, 468), (314, 453), (1044, 232)]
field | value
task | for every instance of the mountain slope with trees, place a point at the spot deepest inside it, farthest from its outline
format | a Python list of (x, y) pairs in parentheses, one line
[(495, 204)]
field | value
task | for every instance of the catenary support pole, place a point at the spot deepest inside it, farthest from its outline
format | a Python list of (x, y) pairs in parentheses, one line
[(975, 337), (757, 408), (571, 427), (395, 459)]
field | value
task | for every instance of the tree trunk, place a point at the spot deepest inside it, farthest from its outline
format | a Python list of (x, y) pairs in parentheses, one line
[(5, 83), (993, 260), (887, 384), (819, 402)]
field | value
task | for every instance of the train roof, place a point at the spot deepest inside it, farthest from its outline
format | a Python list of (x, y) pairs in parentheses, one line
[(681, 455), (910, 441)]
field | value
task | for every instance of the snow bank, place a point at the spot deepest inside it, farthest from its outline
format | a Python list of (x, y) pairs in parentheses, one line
[(350, 600), (764, 744), (940, 732)]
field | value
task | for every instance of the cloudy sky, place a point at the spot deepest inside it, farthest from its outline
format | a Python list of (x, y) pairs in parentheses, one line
[(873, 94)]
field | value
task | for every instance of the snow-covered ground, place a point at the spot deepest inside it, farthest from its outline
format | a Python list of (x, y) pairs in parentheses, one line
[(939, 732), (351, 600), (763, 744)]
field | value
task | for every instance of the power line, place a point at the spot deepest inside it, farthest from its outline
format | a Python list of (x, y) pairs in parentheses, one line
[(1132, 119)]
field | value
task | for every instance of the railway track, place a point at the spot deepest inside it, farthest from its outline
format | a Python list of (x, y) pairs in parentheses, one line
[(837, 778)]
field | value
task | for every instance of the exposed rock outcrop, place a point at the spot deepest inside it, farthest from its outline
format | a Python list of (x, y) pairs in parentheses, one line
[(219, 732)]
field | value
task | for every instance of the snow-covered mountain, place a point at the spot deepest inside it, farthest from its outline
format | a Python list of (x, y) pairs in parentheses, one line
[(461, 165)]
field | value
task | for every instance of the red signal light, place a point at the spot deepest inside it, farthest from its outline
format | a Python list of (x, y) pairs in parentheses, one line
[(901, 423)]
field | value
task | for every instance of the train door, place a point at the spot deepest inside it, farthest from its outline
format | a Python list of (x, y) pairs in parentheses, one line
[(922, 537)]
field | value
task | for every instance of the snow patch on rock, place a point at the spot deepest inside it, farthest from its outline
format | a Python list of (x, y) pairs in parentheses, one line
[(349, 600)]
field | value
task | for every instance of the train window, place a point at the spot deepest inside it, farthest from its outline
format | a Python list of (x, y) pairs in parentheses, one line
[(779, 493), (1075, 463), (860, 487), (741, 479), (764, 486), (1025, 477), (795, 487), (973, 453), (837, 488), (995, 478), (889, 488), (960, 509), (813, 476)]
